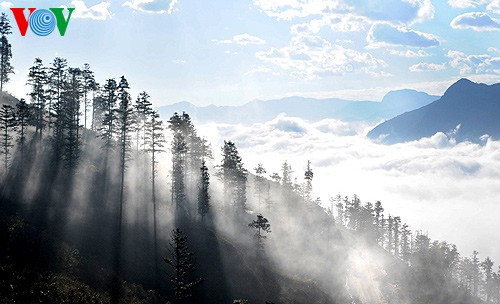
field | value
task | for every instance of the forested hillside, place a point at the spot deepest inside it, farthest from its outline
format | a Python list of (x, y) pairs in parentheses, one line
[(102, 201)]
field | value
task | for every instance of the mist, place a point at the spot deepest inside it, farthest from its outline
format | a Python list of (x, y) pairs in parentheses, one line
[(447, 189)]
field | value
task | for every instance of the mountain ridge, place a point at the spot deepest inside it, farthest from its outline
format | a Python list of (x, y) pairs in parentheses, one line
[(258, 111), (472, 107)]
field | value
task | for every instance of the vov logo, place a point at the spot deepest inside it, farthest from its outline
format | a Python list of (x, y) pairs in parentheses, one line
[(42, 22)]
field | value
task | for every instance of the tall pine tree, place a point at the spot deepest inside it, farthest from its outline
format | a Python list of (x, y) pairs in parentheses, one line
[(24, 117), (89, 85), (107, 128), (7, 125), (154, 144), (5, 51), (180, 261), (37, 80), (203, 195), (234, 176)]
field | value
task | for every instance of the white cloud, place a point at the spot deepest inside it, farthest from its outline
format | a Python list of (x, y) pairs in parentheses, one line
[(426, 11), (494, 6), (98, 11), (246, 39), (409, 53), (179, 61), (427, 67), (290, 9), (384, 34), (476, 21), (474, 64), (6, 5), (494, 50), (407, 11), (400, 11), (467, 3), (153, 6), (242, 39), (336, 22), (309, 57)]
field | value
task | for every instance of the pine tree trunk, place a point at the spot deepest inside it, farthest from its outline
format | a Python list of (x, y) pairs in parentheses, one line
[(1, 70), (155, 238), (85, 110), (6, 148)]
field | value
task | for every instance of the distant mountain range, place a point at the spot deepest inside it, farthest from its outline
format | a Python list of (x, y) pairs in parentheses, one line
[(474, 107), (394, 103)]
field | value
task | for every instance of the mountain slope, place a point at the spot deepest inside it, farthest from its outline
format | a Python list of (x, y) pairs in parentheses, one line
[(473, 107), (394, 103)]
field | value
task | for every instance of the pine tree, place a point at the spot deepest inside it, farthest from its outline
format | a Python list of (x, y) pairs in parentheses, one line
[(98, 108), (465, 277), (405, 243), (203, 195), (390, 231), (262, 225), (7, 124), (143, 109), (233, 176), (487, 266), (259, 181), (340, 210), (286, 179), (308, 176), (182, 130), (125, 124), (379, 216), (179, 150), (5, 51), (89, 84), (155, 143), (57, 78), (366, 223), (37, 79), (182, 266), (275, 177), (71, 117), (396, 234), (24, 117), (353, 211), (475, 263), (108, 128), (198, 150)]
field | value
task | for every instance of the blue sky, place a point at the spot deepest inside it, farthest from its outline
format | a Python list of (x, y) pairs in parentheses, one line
[(233, 51)]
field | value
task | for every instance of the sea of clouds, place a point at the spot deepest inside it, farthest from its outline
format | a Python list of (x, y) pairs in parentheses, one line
[(450, 190)]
